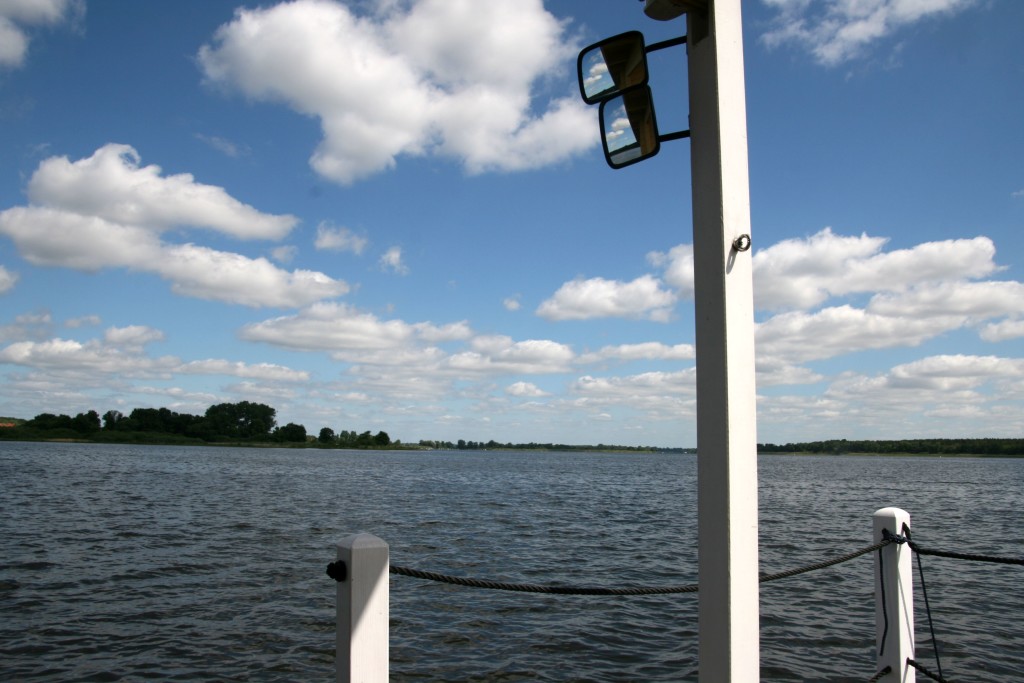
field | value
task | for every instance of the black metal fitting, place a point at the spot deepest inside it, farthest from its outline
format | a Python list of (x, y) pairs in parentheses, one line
[(337, 571)]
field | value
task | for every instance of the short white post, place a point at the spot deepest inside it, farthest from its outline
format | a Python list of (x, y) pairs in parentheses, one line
[(362, 647), (894, 599)]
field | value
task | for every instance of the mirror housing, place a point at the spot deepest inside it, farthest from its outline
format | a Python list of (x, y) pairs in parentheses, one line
[(666, 10), (611, 66), (629, 130)]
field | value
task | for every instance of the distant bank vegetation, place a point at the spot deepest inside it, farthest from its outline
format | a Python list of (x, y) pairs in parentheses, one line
[(245, 422), (256, 424), (987, 447)]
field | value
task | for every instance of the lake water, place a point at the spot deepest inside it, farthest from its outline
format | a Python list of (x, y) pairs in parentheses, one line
[(203, 564)]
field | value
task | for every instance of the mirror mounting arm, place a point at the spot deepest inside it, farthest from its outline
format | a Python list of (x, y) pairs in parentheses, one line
[(671, 42), (678, 135)]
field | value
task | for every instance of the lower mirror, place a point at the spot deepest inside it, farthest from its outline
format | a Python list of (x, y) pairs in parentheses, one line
[(629, 130)]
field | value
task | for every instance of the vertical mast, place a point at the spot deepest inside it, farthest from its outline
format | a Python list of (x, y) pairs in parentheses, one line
[(726, 396)]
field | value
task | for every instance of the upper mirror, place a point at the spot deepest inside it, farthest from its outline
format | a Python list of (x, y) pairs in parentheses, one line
[(629, 131), (607, 68)]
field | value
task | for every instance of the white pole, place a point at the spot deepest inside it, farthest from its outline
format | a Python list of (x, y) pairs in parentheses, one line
[(729, 645), (894, 599), (362, 632)]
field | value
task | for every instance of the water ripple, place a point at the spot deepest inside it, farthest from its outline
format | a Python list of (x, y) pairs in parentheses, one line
[(124, 562)]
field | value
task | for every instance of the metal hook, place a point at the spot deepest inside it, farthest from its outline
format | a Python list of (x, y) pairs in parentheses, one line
[(741, 243)]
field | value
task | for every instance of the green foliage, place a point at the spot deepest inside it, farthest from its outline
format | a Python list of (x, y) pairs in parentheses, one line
[(989, 447), (234, 422), (243, 420), (290, 433)]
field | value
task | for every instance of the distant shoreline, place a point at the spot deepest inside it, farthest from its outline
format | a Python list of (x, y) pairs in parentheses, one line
[(155, 440)]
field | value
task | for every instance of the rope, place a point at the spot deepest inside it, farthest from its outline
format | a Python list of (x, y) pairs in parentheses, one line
[(878, 676), (881, 584), (533, 588), (963, 556), (926, 672), (598, 590), (827, 563), (927, 606)]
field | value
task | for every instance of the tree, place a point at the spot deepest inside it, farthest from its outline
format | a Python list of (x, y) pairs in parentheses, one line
[(326, 435), (243, 420), (381, 439), (111, 418), (291, 433), (86, 423)]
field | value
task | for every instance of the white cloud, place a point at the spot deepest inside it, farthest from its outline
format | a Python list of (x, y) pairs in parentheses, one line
[(208, 274), (773, 372), (285, 253), (427, 77), (339, 239), (678, 267), (1001, 331), (27, 326), (972, 300), (7, 280), (224, 146), (512, 303), (798, 336), (498, 354), (15, 15), (261, 371), (83, 321), (106, 212), (645, 384), (525, 390), (121, 352), (803, 273), (836, 31), (954, 372), (83, 359), (643, 351), (403, 361), (110, 185), (391, 260), (338, 327), (132, 337), (600, 298)]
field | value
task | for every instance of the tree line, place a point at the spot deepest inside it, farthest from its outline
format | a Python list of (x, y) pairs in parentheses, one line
[(248, 422), (463, 445), (243, 422), (989, 447)]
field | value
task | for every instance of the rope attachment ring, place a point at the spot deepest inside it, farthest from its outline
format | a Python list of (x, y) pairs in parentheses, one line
[(337, 571)]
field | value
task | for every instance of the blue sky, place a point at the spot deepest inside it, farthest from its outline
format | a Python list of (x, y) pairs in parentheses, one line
[(394, 215)]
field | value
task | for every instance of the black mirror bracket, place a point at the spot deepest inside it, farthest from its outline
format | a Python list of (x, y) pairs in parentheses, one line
[(613, 73)]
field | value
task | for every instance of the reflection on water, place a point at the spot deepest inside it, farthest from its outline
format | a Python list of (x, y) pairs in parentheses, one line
[(122, 562)]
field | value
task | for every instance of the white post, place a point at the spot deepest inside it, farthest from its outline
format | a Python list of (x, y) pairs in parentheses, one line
[(729, 645), (362, 645), (894, 599)]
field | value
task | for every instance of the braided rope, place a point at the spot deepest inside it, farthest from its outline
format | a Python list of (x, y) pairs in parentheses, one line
[(533, 588), (878, 676), (826, 563), (599, 590), (926, 672), (963, 556)]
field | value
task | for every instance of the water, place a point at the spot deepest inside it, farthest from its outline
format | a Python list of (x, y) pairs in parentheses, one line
[(133, 563)]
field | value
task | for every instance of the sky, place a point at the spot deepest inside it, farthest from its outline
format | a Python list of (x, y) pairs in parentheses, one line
[(395, 215)]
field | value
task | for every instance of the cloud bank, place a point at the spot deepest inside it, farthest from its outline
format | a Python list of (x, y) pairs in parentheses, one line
[(837, 31), (431, 77), (106, 211)]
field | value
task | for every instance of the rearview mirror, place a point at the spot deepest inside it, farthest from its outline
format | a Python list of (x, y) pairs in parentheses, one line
[(629, 131), (609, 67)]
